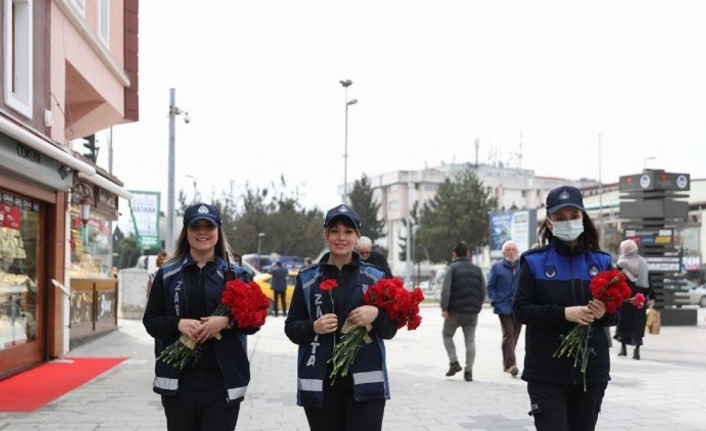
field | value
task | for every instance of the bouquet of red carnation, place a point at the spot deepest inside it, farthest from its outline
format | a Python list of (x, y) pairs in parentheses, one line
[(400, 304), (243, 302), (611, 288)]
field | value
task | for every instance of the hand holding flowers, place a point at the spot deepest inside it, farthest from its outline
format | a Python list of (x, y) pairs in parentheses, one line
[(388, 296), (242, 302), (609, 290)]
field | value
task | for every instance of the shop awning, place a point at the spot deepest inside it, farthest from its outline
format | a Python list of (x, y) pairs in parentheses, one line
[(42, 145), (106, 184)]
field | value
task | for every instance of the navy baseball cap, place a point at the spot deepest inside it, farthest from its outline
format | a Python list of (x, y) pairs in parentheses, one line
[(562, 197), (342, 210), (198, 212)]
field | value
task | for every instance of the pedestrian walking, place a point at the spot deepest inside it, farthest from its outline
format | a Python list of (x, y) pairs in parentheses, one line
[(356, 401), (185, 293), (462, 295), (279, 286), (502, 284), (631, 327), (553, 296)]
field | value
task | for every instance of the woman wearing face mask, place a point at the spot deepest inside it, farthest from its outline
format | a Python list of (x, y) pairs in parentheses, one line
[(553, 296)]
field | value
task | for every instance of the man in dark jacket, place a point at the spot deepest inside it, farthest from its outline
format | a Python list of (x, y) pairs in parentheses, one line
[(364, 247), (462, 295), (501, 288), (279, 286)]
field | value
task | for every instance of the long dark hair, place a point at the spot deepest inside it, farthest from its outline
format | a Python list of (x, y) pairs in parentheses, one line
[(590, 233), (222, 248)]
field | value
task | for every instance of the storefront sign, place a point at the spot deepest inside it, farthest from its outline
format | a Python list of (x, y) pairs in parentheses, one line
[(9, 217), (663, 263), (27, 162), (651, 236), (144, 208)]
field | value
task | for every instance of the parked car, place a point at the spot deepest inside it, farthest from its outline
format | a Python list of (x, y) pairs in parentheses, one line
[(690, 292), (263, 279)]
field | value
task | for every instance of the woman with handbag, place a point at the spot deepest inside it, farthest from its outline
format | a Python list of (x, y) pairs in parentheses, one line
[(631, 327)]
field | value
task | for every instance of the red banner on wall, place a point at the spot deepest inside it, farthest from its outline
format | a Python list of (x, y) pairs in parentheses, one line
[(9, 216)]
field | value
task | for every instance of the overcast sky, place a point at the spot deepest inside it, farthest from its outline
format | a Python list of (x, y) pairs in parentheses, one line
[(260, 80)]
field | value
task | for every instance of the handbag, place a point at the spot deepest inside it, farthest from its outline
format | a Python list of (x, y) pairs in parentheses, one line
[(654, 321)]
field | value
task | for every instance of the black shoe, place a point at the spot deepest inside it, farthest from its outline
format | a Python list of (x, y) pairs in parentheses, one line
[(454, 368), (468, 376), (623, 351), (636, 353)]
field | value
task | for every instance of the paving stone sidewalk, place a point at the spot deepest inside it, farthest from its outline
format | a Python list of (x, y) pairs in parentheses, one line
[(662, 391)]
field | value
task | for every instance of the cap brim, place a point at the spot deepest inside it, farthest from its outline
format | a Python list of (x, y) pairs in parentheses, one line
[(556, 208), (342, 216), (208, 218)]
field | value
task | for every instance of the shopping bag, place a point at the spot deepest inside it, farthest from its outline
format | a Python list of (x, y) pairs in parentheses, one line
[(654, 321)]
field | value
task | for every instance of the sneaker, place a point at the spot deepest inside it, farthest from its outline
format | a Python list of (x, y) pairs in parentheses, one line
[(468, 376), (454, 368), (513, 370)]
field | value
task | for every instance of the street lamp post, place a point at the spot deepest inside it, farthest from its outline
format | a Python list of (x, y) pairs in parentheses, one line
[(600, 197), (193, 178), (347, 83), (408, 250), (173, 112), (260, 237), (415, 229)]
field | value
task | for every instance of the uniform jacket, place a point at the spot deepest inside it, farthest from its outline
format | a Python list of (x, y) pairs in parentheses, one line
[(502, 284), (553, 278), (169, 301), (369, 372)]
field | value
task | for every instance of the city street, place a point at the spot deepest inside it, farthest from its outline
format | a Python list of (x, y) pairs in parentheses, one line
[(663, 391)]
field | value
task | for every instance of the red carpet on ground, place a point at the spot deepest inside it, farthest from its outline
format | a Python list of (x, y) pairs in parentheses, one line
[(32, 389)]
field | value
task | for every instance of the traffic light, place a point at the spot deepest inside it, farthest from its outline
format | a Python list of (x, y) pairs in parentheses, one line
[(92, 148)]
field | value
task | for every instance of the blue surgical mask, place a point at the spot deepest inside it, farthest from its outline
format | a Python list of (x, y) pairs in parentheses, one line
[(567, 230)]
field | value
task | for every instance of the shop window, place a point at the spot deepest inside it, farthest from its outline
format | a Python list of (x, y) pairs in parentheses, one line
[(20, 229), (18, 55), (91, 249)]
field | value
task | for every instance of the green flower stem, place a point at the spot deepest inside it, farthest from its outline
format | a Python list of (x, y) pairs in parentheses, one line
[(575, 345), (345, 352)]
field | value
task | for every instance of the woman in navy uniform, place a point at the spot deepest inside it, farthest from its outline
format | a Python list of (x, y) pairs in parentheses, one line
[(552, 297), (186, 291), (356, 401)]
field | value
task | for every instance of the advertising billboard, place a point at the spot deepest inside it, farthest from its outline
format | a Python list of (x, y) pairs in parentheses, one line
[(519, 226), (144, 209)]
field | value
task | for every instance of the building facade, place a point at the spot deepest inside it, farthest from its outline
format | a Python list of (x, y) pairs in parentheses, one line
[(398, 192), (519, 189), (68, 69)]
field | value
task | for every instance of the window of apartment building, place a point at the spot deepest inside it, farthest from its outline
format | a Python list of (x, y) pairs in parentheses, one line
[(394, 188), (430, 187), (393, 205), (18, 55), (104, 22)]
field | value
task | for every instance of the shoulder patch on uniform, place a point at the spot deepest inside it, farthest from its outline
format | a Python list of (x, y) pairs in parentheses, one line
[(593, 270)]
